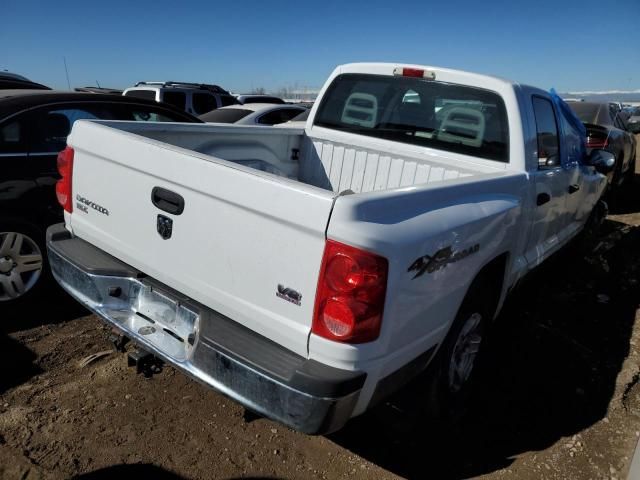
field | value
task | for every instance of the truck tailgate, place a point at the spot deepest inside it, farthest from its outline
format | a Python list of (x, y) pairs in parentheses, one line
[(243, 238)]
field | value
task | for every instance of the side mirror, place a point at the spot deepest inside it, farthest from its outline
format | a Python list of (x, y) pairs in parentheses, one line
[(602, 161)]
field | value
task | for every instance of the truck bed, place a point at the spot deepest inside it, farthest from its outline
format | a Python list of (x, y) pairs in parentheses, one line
[(358, 167)]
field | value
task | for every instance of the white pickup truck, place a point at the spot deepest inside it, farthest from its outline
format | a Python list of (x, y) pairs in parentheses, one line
[(308, 273)]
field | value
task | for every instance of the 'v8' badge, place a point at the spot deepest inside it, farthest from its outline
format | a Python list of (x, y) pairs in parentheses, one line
[(165, 227)]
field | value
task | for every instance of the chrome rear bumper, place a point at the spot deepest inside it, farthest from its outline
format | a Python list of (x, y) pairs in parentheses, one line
[(259, 374)]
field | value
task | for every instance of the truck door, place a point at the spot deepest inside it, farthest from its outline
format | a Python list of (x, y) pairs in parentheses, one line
[(549, 218), (584, 181), (627, 140)]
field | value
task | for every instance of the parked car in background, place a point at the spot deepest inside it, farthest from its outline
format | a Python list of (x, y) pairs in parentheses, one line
[(253, 114), (194, 98), (633, 122), (14, 81), (34, 125), (607, 129), (251, 98), (616, 107)]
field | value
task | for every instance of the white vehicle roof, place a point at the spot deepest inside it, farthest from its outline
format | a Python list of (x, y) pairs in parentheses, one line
[(257, 111)]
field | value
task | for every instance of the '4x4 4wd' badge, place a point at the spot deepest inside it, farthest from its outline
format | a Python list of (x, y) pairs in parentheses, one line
[(165, 227), (440, 259), (289, 294)]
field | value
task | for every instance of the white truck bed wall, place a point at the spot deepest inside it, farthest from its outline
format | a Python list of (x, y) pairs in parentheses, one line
[(228, 142), (367, 166), (373, 166)]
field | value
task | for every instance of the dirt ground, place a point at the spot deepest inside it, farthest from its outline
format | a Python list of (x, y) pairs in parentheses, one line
[(561, 397)]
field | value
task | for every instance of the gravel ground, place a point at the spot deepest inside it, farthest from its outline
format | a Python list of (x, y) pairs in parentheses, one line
[(561, 397)]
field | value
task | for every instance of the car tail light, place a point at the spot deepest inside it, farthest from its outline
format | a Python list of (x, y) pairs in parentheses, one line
[(350, 295), (63, 187), (597, 140)]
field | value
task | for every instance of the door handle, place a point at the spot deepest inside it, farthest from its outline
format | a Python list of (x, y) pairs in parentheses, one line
[(543, 198), (167, 201), (574, 188)]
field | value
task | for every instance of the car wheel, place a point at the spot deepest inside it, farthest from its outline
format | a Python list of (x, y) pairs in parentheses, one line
[(454, 376), (22, 262)]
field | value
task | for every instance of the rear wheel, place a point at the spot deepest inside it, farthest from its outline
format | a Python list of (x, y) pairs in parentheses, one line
[(454, 377), (22, 262), (587, 240), (465, 353)]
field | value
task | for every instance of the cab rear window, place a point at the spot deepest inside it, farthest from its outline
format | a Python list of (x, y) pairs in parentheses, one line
[(417, 111)]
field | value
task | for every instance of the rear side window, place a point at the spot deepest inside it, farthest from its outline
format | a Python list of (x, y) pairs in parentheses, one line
[(13, 137), (278, 116), (444, 116), (177, 99), (573, 141), (547, 132), (146, 94), (203, 103), (51, 127)]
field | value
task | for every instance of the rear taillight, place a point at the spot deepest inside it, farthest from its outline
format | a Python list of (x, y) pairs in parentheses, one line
[(597, 140), (350, 295), (63, 187)]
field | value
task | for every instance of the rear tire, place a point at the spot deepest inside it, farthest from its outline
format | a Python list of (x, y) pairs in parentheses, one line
[(587, 239), (454, 376)]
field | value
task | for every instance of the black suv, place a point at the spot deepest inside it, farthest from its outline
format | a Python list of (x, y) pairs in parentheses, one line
[(34, 125)]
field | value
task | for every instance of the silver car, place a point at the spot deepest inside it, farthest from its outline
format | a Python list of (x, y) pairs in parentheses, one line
[(253, 114)]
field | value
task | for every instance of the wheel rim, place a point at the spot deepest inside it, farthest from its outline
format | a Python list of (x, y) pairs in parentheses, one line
[(20, 264), (465, 352)]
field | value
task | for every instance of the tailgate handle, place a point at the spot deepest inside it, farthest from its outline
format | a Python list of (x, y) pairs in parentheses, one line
[(167, 201)]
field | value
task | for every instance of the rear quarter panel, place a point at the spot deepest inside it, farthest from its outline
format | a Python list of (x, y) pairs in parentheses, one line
[(482, 217)]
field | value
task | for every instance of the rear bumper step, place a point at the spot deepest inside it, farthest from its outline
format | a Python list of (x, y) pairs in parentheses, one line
[(258, 373)]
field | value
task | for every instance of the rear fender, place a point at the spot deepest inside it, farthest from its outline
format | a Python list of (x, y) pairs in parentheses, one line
[(436, 240)]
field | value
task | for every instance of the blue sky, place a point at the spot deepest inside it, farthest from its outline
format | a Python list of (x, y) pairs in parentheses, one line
[(566, 44)]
